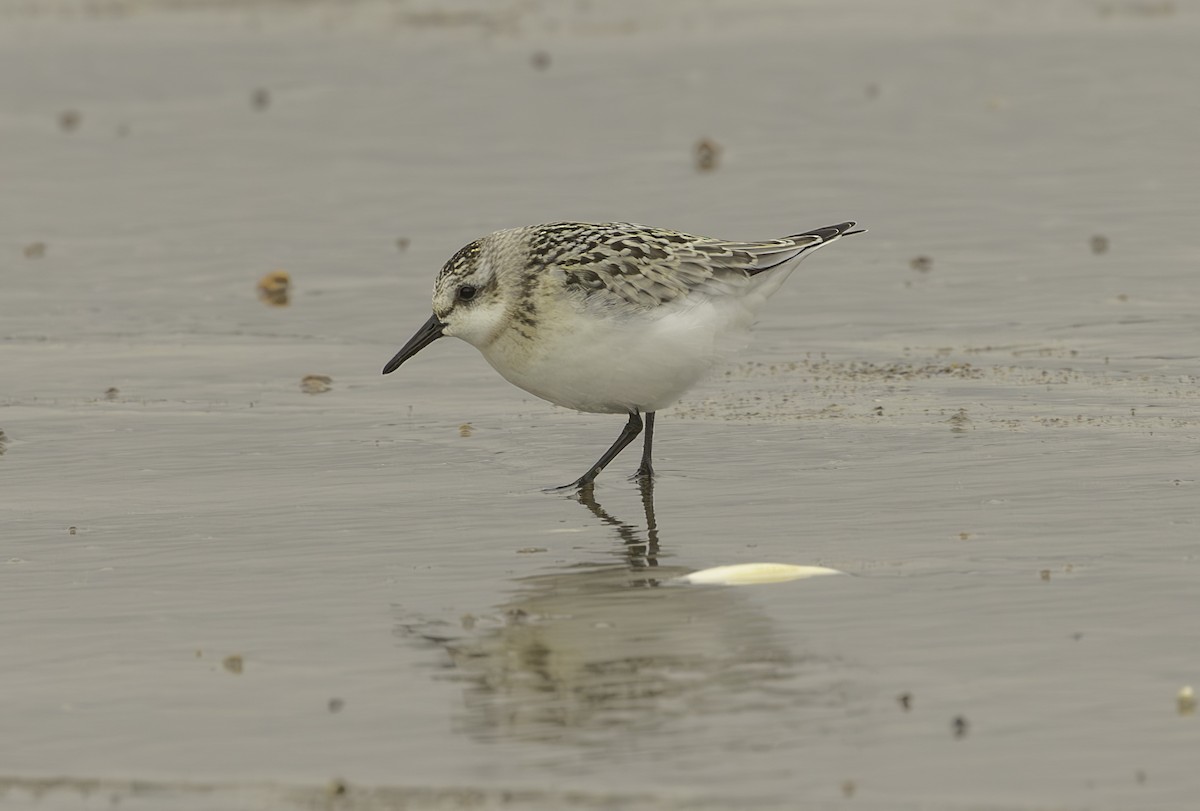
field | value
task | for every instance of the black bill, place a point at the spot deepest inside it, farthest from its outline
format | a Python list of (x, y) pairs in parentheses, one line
[(429, 332)]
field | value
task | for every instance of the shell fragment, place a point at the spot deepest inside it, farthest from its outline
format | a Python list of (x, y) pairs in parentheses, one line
[(746, 574)]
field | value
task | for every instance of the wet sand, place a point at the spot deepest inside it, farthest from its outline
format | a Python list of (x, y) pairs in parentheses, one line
[(223, 591)]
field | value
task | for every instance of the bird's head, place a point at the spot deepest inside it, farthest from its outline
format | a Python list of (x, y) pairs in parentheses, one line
[(468, 303)]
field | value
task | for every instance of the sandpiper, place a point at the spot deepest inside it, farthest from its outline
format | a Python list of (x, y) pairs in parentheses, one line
[(612, 318)]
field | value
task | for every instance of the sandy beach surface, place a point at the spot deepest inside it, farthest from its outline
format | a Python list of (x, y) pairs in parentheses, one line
[(225, 586)]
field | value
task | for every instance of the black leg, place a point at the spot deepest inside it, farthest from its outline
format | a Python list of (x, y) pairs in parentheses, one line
[(646, 470), (628, 434)]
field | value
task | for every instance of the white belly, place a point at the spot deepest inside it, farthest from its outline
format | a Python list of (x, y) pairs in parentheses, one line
[(617, 365)]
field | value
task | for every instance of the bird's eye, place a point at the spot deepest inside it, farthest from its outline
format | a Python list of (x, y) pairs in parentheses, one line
[(467, 292)]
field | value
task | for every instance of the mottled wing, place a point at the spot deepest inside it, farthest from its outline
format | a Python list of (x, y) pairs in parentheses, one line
[(647, 267)]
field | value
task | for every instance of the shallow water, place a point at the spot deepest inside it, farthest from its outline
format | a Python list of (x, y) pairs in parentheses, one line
[(999, 445)]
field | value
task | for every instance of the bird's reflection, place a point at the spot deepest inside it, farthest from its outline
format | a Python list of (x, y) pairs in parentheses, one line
[(603, 650), (640, 553)]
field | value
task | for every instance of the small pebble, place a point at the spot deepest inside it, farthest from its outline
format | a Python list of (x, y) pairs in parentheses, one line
[(275, 288), (707, 154), (316, 384), (71, 530), (112, 393), (1186, 700), (233, 663), (1045, 574), (923, 264), (466, 429), (69, 120)]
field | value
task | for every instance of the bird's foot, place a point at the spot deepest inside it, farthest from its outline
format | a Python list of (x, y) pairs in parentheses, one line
[(645, 472), (582, 483)]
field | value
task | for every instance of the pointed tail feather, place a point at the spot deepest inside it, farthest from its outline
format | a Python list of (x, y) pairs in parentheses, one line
[(809, 241)]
